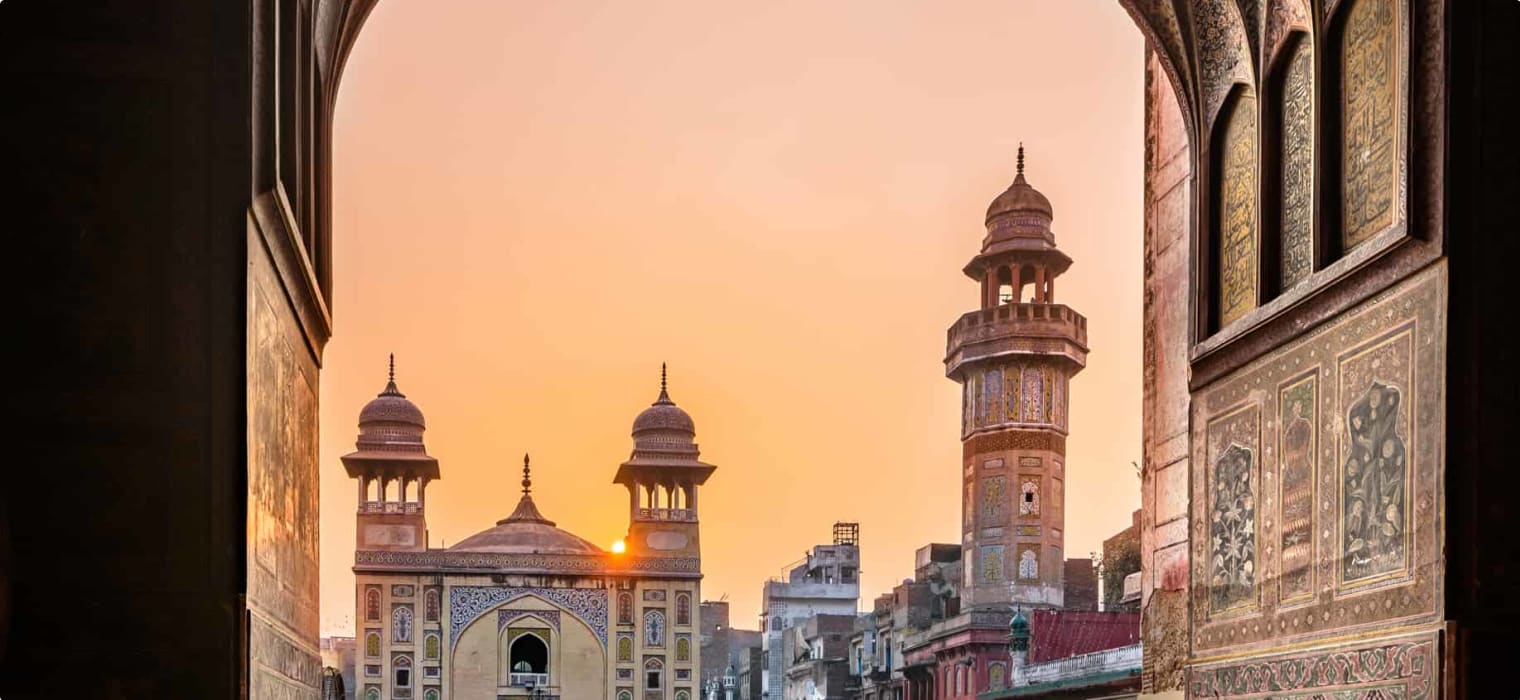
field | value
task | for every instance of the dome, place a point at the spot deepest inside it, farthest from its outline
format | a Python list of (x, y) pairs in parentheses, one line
[(391, 422), (525, 531), (663, 417), (1018, 632), (525, 537), (1019, 198)]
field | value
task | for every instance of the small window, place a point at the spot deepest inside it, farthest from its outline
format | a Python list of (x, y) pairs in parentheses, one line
[(403, 672)]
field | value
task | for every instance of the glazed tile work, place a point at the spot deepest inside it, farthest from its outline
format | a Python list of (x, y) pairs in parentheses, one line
[(1317, 480)]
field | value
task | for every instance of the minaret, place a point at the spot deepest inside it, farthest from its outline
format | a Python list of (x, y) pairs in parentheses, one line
[(1014, 357), (662, 476), (393, 469)]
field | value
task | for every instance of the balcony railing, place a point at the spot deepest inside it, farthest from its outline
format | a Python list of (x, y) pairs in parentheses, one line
[(528, 680), (680, 515), (390, 507), (1028, 320), (1106, 661)]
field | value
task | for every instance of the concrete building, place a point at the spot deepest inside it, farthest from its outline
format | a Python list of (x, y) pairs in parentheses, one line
[(1081, 584), (525, 607), (1121, 557), (825, 582), (722, 645), (817, 658), (751, 672)]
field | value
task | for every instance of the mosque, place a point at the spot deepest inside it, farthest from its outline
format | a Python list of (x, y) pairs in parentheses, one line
[(524, 608)]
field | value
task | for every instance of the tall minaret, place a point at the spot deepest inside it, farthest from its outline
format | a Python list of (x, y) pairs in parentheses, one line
[(1014, 357), (393, 469), (662, 476)]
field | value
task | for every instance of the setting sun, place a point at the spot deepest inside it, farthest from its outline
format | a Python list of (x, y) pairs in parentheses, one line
[(618, 547)]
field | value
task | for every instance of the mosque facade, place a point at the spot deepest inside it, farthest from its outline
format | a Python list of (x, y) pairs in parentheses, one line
[(524, 608)]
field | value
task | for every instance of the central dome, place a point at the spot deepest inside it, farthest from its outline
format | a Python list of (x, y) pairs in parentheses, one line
[(525, 531)]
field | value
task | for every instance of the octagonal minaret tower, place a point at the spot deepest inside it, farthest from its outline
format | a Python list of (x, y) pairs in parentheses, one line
[(1014, 357)]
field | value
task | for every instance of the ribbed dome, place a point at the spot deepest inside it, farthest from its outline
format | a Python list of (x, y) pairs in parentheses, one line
[(663, 419), (1019, 198), (391, 422)]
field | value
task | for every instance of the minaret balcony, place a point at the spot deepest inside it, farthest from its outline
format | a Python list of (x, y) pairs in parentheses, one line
[(390, 507), (1053, 330), (674, 515)]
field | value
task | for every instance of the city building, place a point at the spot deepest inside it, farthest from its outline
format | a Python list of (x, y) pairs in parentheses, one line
[(523, 607), (1080, 581), (1121, 557), (722, 645), (750, 674), (816, 653), (1065, 655), (338, 654), (825, 582)]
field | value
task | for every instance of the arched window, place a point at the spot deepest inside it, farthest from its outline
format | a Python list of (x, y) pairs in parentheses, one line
[(529, 654), (683, 649), (372, 643), (683, 609), (624, 695), (683, 695), (430, 605), (431, 694), (403, 671), (625, 609), (432, 646), (654, 628), (996, 676), (1236, 257), (401, 624), (654, 674), (372, 694), (625, 649), (775, 624), (372, 605)]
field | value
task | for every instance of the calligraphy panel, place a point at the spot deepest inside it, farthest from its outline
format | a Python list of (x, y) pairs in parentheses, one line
[(1298, 441), (1297, 158), (1237, 211), (1369, 119)]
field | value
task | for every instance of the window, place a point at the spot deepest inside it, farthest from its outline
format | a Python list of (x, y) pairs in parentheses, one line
[(625, 609), (996, 676), (401, 624), (431, 646), (372, 604), (430, 605), (625, 695), (683, 649), (1029, 565), (529, 654), (624, 648), (431, 694), (403, 670), (372, 643), (683, 695), (372, 694), (775, 624), (683, 609), (654, 628), (654, 674)]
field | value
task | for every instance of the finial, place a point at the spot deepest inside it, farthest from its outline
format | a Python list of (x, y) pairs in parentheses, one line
[(390, 381), (393, 367), (664, 397), (527, 482), (1021, 158)]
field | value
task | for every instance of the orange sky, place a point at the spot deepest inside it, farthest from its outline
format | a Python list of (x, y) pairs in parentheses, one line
[(537, 203)]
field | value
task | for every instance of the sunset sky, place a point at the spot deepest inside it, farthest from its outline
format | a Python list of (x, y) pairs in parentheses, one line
[(536, 203)]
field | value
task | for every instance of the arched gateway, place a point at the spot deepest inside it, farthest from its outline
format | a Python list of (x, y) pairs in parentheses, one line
[(1329, 186)]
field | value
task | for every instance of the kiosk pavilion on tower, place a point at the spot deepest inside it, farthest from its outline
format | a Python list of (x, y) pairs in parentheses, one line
[(524, 608)]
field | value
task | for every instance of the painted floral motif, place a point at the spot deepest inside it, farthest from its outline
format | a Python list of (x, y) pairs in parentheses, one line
[(372, 604), (992, 563), (1029, 564), (994, 498), (372, 643), (683, 648), (625, 609), (469, 602), (992, 395), (431, 647), (1029, 499), (654, 628), (1374, 525), (625, 647), (430, 605), (1233, 530), (401, 624), (1034, 393), (683, 609), (1297, 483)]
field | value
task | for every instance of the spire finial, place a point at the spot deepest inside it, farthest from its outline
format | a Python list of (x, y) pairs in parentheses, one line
[(390, 381), (1021, 158), (527, 482), (393, 367), (664, 396)]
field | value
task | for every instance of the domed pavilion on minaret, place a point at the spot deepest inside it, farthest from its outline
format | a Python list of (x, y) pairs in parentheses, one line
[(525, 609)]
